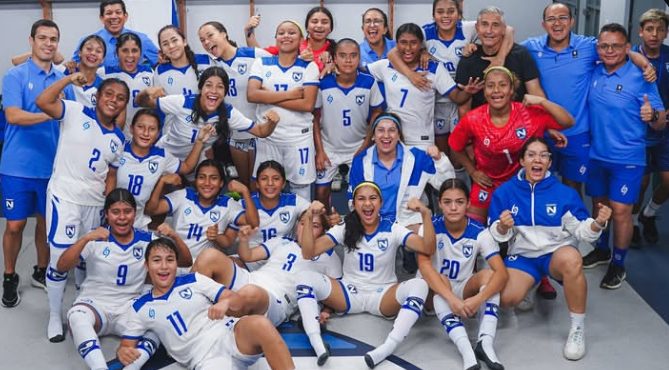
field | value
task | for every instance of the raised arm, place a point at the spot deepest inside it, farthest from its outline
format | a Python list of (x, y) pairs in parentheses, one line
[(189, 164), (251, 216), (185, 258), (561, 115), (70, 258), (155, 205), (246, 253), (148, 97), (415, 242), (49, 101), (265, 128), (310, 247)]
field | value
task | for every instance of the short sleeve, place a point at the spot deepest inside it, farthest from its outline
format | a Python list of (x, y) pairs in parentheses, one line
[(376, 69), (234, 211), (134, 327), (443, 82), (261, 53), (171, 104), (311, 74), (69, 107), (528, 65), (257, 70), (653, 93), (86, 252), (175, 199), (375, 96), (172, 163), (301, 205), (542, 118), (11, 90), (400, 234), (208, 287), (238, 121), (336, 234), (460, 136), (488, 247), (319, 100)]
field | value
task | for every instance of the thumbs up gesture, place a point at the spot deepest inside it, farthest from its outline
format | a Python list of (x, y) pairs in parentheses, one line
[(647, 112)]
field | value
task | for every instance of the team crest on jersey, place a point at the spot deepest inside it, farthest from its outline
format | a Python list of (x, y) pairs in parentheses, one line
[(170, 81), (138, 253), (394, 78), (86, 125), (382, 244), (9, 204), (121, 161), (483, 195), (186, 293), (440, 123), (189, 118), (113, 145), (70, 230), (297, 76), (360, 99), (467, 250), (521, 133), (146, 80), (284, 217), (153, 166), (94, 100), (440, 245), (241, 68), (551, 209), (214, 216)]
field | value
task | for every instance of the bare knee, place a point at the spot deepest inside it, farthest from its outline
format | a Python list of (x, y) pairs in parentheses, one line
[(15, 228)]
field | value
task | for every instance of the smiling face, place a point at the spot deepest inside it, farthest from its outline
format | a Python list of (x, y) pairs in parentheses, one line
[(270, 183), (145, 131), (446, 15), (113, 19), (612, 48), (212, 94), (652, 34), (213, 40), (373, 26), (498, 89), (536, 161), (453, 204), (161, 265), (319, 26), (367, 204), (121, 217), (45, 43), (172, 44), (490, 29), (408, 45), (386, 137), (347, 58), (558, 23), (208, 183), (128, 56), (288, 37), (111, 100), (92, 53)]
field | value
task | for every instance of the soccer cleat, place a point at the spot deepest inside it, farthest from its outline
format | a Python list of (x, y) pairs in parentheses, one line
[(481, 355), (615, 275), (10, 290), (596, 257), (649, 229), (324, 356), (636, 238), (574, 348), (369, 361), (475, 367), (231, 171), (38, 278), (545, 289)]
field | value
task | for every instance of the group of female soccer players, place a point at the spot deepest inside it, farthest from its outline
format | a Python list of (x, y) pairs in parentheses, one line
[(137, 144)]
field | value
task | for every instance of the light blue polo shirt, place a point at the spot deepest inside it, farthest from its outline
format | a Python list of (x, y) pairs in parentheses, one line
[(368, 55)]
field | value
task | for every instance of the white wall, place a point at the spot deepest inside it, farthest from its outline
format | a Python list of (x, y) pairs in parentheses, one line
[(525, 16), (16, 21), (614, 11)]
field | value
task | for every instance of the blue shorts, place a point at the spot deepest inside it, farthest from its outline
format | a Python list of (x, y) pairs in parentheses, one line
[(618, 182), (538, 267), (22, 197), (572, 162), (657, 156)]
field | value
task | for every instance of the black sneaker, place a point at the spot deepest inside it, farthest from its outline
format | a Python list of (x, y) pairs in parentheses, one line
[(481, 355), (10, 290), (598, 256), (38, 279), (636, 238), (615, 275), (649, 229)]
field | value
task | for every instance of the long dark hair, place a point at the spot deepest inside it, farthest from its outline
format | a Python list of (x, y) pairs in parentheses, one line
[(324, 10), (110, 81), (353, 229), (273, 165), (454, 183), (96, 38), (387, 35), (189, 52), (161, 242), (222, 127), (412, 29), (119, 195), (125, 37), (221, 28), (212, 163)]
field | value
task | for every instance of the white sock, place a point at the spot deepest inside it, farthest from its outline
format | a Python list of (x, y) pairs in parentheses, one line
[(55, 287), (147, 347), (82, 322), (650, 209), (577, 320), (79, 274), (455, 330), (302, 190), (488, 327), (312, 287)]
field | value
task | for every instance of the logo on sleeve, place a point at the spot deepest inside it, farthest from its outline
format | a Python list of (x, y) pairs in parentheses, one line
[(521, 133), (186, 293), (514, 210), (153, 166), (152, 313), (382, 244), (284, 217), (241, 68), (360, 99), (297, 76), (467, 250), (624, 189), (551, 209)]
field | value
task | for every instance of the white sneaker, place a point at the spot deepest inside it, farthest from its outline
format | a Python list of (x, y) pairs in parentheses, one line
[(231, 171), (527, 304), (574, 349)]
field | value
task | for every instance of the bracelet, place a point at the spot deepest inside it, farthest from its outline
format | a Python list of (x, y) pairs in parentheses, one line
[(602, 227)]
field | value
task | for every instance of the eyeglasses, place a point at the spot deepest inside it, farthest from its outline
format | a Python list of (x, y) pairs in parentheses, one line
[(544, 156), (373, 22), (614, 47), (553, 20)]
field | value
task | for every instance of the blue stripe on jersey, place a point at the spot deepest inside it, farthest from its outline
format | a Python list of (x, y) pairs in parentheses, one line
[(246, 52), (423, 163), (117, 69), (90, 112), (385, 225), (148, 297), (274, 61), (139, 236), (266, 250), (332, 238), (348, 300), (95, 84), (154, 151), (472, 229), (285, 200), (218, 295), (362, 80), (169, 203), (404, 241), (432, 33), (222, 200), (491, 255), (202, 58), (431, 67)]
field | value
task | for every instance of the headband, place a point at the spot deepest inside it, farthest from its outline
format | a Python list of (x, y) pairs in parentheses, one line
[(389, 117), (500, 69), (366, 183), (299, 27)]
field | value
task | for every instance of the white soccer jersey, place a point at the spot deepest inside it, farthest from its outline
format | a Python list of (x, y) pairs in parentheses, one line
[(279, 221), (414, 107), (190, 220), (284, 263), (85, 152), (141, 174), (456, 258), (294, 126), (86, 94), (179, 318), (115, 272), (449, 52), (345, 112), (182, 133), (373, 263), (136, 82), (181, 80), (238, 69)]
